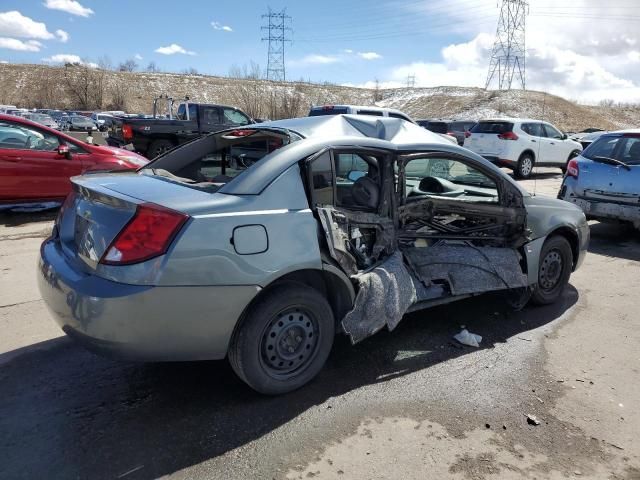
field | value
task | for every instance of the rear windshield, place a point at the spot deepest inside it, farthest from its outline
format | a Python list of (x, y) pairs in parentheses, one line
[(492, 127), (461, 126), (320, 111), (210, 162), (438, 127), (625, 148)]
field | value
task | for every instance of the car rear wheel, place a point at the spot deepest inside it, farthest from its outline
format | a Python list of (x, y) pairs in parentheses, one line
[(284, 339), (524, 167), (554, 270), (158, 147)]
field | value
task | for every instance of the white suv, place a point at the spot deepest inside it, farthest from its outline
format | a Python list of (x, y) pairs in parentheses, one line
[(521, 143)]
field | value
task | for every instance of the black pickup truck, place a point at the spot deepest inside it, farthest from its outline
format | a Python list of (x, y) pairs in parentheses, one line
[(153, 136)]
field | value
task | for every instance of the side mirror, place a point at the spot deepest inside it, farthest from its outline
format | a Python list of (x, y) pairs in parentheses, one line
[(564, 136), (63, 151)]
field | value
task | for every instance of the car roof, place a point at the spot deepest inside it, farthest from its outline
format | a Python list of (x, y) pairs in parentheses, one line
[(512, 120), (360, 107), (338, 130)]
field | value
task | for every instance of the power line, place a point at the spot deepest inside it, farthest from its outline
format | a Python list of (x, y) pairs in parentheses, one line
[(508, 56), (277, 28)]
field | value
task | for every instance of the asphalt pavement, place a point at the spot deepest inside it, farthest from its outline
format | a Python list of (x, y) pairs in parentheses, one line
[(408, 404)]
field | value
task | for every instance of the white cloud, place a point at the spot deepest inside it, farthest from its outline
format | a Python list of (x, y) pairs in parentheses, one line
[(3, 61), (347, 50), (219, 26), (14, 24), (19, 45), (62, 35), (70, 6), (369, 55), (316, 59), (68, 58), (137, 56), (173, 49)]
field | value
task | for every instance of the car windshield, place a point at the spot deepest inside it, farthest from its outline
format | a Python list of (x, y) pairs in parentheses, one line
[(81, 120), (212, 161), (624, 148)]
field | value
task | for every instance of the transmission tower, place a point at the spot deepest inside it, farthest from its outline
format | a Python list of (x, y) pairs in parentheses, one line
[(411, 80), (277, 27), (508, 54)]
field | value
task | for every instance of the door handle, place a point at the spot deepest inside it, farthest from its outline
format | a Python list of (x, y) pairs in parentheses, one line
[(534, 141), (552, 143)]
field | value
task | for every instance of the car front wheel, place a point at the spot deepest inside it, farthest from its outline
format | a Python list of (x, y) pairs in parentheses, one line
[(554, 270), (284, 339)]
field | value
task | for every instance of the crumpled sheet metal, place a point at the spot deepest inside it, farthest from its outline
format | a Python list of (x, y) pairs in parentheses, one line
[(468, 269), (385, 293)]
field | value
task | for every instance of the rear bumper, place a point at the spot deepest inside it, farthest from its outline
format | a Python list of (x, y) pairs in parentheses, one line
[(140, 322), (601, 209)]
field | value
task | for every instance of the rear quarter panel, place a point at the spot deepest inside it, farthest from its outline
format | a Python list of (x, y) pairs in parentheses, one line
[(205, 255)]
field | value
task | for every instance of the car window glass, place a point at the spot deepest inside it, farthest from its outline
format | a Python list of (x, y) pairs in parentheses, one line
[(352, 168), (322, 180), (182, 112), (552, 132), (450, 178), (630, 151), (233, 117), (438, 127), (14, 136), (533, 129), (211, 115), (495, 127), (75, 149), (375, 113)]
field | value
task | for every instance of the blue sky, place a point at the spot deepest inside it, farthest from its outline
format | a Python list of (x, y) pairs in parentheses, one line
[(587, 50), (333, 40)]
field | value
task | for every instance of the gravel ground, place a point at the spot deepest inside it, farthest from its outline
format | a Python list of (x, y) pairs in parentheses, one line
[(411, 404)]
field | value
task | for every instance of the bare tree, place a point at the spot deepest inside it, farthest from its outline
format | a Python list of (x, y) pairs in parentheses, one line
[(153, 68), (44, 94), (190, 71), (129, 65), (84, 83), (249, 93)]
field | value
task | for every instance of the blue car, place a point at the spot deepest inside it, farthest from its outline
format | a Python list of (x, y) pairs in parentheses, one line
[(604, 181)]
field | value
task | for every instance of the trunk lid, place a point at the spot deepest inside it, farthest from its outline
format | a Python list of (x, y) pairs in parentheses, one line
[(102, 204), (484, 137)]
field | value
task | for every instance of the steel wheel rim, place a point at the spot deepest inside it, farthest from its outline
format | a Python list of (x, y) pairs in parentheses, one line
[(526, 166), (289, 342), (550, 270)]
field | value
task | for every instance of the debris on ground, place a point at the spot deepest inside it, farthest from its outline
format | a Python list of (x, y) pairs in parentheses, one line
[(532, 420), (467, 338)]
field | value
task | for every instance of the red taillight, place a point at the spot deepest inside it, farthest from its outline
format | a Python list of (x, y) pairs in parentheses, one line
[(147, 235), (573, 170), (508, 136), (127, 131), (240, 133)]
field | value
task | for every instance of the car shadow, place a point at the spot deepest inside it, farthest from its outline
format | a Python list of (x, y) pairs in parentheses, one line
[(15, 219), (615, 240), (67, 413)]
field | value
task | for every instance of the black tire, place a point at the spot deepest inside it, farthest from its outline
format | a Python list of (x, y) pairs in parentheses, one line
[(158, 147), (524, 167), (573, 154), (554, 270), (284, 339)]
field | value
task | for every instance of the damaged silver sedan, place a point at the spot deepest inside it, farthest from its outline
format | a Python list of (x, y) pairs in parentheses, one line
[(261, 243)]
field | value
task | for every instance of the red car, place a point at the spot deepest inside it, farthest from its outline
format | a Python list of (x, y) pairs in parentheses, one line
[(36, 162)]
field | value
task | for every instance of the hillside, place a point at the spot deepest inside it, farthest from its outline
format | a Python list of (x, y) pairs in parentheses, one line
[(83, 88)]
